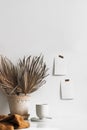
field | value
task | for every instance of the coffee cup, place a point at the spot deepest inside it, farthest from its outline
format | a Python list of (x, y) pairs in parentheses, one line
[(42, 110)]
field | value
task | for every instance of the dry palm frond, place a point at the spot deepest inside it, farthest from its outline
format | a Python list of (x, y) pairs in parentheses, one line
[(33, 71), (8, 73), (26, 77)]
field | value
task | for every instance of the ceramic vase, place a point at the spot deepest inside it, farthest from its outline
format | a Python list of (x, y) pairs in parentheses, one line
[(19, 104)]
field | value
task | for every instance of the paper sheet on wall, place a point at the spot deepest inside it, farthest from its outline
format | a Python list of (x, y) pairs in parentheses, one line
[(66, 90), (60, 66)]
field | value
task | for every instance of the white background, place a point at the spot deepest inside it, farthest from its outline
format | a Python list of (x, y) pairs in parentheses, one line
[(50, 27)]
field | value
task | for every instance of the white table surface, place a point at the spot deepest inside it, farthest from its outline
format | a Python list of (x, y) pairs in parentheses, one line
[(60, 123)]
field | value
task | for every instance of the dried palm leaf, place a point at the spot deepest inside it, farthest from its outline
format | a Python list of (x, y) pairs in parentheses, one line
[(26, 77)]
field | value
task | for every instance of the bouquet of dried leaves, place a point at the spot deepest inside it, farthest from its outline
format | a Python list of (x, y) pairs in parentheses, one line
[(25, 77)]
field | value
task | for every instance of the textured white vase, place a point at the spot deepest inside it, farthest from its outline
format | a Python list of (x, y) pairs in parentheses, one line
[(18, 104)]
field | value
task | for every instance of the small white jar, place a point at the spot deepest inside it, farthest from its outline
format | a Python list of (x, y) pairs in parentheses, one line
[(42, 110)]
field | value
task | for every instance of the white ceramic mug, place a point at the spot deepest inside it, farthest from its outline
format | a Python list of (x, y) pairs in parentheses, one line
[(42, 110)]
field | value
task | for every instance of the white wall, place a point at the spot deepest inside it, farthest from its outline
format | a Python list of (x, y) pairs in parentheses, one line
[(51, 27)]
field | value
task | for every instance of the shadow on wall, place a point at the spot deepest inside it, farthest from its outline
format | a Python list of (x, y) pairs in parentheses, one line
[(4, 108)]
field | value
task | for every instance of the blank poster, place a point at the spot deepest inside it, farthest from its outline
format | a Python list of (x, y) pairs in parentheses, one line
[(66, 90), (59, 66)]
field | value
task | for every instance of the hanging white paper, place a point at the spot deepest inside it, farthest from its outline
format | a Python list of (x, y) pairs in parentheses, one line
[(66, 89), (60, 66)]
